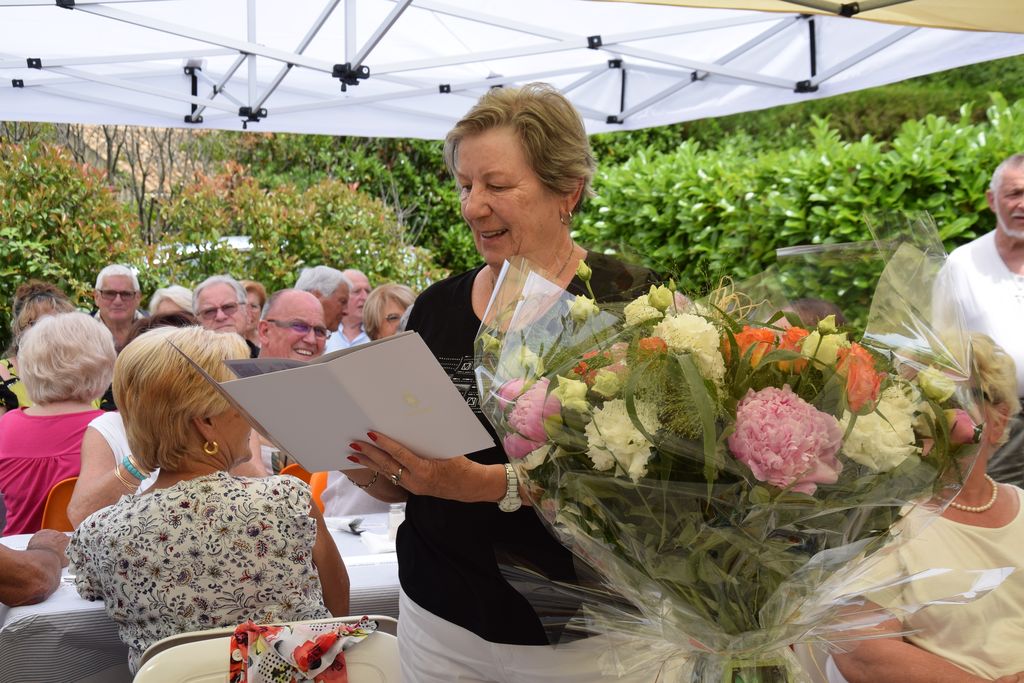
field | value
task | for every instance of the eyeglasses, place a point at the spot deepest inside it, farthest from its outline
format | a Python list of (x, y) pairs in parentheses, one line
[(302, 328), (111, 294), (211, 313)]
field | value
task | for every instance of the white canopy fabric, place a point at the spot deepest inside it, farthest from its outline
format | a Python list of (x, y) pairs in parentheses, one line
[(411, 68)]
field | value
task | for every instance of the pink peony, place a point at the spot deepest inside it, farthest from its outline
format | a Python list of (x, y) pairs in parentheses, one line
[(786, 441), (510, 391), (527, 418), (961, 427)]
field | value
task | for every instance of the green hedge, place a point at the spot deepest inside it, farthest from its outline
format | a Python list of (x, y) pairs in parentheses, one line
[(704, 214)]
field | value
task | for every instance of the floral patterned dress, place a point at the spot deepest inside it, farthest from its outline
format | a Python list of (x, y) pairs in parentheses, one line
[(209, 552)]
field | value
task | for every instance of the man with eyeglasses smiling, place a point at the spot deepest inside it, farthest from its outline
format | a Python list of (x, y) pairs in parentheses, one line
[(220, 304), (292, 326), (117, 301)]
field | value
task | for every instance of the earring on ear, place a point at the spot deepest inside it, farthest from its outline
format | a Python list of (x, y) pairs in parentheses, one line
[(211, 448)]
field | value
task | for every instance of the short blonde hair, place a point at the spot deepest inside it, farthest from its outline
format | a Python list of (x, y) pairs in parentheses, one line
[(997, 375), (66, 357), (159, 393), (552, 134), (377, 301)]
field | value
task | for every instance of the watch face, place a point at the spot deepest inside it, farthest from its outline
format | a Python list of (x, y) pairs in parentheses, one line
[(510, 504)]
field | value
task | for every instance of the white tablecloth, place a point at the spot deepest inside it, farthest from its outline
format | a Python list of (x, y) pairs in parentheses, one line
[(67, 639)]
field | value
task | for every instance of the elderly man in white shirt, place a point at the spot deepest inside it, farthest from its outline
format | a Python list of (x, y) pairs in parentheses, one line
[(351, 332)]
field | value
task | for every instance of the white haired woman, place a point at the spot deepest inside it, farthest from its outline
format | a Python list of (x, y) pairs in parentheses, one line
[(65, 361), (171, 299), (201, 548)]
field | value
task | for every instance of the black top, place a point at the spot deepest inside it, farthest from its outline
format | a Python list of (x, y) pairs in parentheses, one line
[(449, 552)]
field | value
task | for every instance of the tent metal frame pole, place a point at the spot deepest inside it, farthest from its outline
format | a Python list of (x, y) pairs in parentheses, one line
[(379, 33), (219, 87), (872, 49), (350, 30), (301, 48), (57, 92), (250, 35), (246, 47), (218, 90), (697, 76), (492, 20), (144, 89), (19, 62), (709, 67)]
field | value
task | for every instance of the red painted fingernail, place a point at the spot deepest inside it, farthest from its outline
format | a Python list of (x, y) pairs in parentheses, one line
[(373, 436), (356, 447), (354, 459)]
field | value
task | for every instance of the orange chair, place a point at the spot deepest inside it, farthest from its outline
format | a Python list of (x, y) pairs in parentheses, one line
[(317, 484), (55, 513), (295, 470)]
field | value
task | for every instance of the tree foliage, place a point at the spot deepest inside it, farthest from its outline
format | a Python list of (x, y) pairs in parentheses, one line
[(59, 221)]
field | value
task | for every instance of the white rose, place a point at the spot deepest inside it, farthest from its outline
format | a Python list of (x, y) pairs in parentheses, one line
[(614, 442), (824, 349), (583, 308), (883, 439), (639, 311)]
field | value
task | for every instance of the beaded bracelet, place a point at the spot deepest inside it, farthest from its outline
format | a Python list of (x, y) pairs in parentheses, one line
[(373, 480), (127, 463)]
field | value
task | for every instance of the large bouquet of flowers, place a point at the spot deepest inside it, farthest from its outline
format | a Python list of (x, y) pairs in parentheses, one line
[(720, 464)]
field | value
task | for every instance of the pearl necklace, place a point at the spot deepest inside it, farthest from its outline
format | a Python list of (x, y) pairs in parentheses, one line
[(979, 508)]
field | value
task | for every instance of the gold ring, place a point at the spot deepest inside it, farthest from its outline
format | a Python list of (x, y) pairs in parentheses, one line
[(397, 476)]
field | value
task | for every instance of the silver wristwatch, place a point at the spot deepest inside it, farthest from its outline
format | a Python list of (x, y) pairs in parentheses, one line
[(511, 502)]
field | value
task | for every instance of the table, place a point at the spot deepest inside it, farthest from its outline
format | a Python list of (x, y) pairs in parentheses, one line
[(67, 639)]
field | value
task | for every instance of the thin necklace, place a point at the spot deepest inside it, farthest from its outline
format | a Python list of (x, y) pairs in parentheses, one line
[(572, 250), (979, 508)]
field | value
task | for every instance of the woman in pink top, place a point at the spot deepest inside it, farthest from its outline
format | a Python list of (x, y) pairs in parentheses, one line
[(66, 362)]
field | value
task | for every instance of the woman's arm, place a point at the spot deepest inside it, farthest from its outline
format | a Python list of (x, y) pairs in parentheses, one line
[(97, 485), (879, 660), (331, 568), (457, 478)]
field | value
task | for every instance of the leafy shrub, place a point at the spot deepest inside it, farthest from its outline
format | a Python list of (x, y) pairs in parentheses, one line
[(705, 214), (59, 221), (327, 223)]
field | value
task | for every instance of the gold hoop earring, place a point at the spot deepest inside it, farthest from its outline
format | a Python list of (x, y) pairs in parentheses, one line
[(211, 448)]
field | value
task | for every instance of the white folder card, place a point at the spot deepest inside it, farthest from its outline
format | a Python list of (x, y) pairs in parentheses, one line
[(313, 410)]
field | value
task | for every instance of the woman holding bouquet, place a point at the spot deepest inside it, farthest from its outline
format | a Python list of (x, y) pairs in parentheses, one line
[(983, 528), (523, 165)]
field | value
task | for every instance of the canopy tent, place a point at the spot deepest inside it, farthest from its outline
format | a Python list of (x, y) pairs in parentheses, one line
[(410, 68)]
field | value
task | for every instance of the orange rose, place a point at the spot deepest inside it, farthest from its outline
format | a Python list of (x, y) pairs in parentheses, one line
[(650, 346), (793, 340), (863, 382), (761, 338)]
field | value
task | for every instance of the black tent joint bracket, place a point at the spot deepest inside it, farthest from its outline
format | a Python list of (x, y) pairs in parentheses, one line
[(34, 62), (189, 118), (17, 83), (349, 75), (848, 9), (614, 63), (613, 119), (445, 88), (251, 115), (805, 86), (193, 73), (594, 42), (66, 4)]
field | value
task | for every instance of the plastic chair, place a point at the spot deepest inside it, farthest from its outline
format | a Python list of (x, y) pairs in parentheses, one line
[(296, 470), (317, 484), (202, 656), (55, 513)]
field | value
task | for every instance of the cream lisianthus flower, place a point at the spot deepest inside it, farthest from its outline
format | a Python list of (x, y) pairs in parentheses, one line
[(607, 384), (660, 297), (686, 333), (883, 439), (572, 394), (520, 363), (583, 308), (824, 348), (935, 385), (615, 443), (640, 310)]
